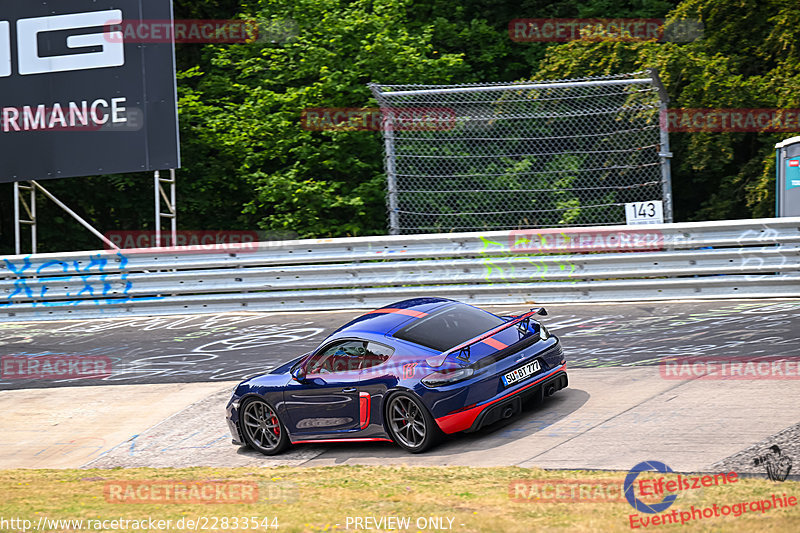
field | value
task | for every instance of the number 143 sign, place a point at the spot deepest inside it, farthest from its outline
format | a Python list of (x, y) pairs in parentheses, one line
[(645, 212)]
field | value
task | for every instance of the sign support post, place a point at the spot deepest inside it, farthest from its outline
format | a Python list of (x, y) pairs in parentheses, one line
[(169, 202), (30, 209)]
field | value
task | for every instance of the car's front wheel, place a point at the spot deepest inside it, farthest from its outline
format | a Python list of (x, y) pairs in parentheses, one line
[(262, 428), (410, 424)]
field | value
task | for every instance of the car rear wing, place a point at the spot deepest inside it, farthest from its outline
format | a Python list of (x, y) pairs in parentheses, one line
[(438, 360)]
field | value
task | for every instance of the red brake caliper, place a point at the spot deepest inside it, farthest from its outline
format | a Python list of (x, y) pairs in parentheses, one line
[(277, 428)]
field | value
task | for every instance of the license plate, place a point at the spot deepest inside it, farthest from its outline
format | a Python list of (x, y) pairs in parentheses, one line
[(521, 373)]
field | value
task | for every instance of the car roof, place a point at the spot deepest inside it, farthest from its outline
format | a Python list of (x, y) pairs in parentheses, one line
[(390, 318)]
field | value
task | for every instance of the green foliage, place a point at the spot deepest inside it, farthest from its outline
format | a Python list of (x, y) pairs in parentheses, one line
[(749, 57), (246, 107)]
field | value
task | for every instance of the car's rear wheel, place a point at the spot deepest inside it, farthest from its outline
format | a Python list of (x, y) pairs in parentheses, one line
[(262, 428), (410, 424)]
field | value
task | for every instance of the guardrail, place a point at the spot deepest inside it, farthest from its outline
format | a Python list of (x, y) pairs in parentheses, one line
[(742, 258)]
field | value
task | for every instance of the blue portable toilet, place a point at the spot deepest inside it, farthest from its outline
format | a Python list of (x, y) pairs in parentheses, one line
[(787, 170)]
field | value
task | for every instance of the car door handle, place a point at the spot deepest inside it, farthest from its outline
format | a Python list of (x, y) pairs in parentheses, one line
[(349, 389)]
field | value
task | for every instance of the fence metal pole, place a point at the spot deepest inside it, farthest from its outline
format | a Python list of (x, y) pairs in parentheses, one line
[(521, 86), (664, 154), (391, 176), (666, 170)]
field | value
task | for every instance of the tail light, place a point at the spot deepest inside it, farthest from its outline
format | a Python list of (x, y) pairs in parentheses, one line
[(447, 377)]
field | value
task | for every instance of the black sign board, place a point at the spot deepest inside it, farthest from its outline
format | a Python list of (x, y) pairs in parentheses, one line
[(76, 97)]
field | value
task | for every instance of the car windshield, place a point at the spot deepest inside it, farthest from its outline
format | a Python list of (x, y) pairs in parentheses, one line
[(449, 327)]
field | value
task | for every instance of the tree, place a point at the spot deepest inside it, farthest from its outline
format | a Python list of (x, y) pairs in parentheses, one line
[(243, 112), (748, 58)]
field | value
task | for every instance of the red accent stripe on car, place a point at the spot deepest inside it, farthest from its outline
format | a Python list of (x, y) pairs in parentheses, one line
[(497, 345), (407, 312), (355, 439), (461, 420), (439, 359), (364, 401)]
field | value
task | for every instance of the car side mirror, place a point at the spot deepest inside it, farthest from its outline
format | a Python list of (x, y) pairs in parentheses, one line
[(299, 374)]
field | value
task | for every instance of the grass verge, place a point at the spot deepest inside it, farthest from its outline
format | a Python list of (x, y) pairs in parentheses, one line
[(460, 499)]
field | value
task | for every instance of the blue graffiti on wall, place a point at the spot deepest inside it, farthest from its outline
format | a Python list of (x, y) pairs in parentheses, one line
[(93, 283)]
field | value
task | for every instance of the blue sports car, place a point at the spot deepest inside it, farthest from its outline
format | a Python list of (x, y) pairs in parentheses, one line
[(406, 373)]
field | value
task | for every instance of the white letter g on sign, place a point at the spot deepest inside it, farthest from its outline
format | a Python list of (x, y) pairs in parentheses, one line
[(112, 53)]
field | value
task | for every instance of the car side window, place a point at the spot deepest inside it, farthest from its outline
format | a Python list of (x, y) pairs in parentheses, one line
[(344, 356), (377, 354), (348, 356)]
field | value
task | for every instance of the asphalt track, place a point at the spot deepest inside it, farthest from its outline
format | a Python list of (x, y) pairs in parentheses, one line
[(207, 348), (162, 405)]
